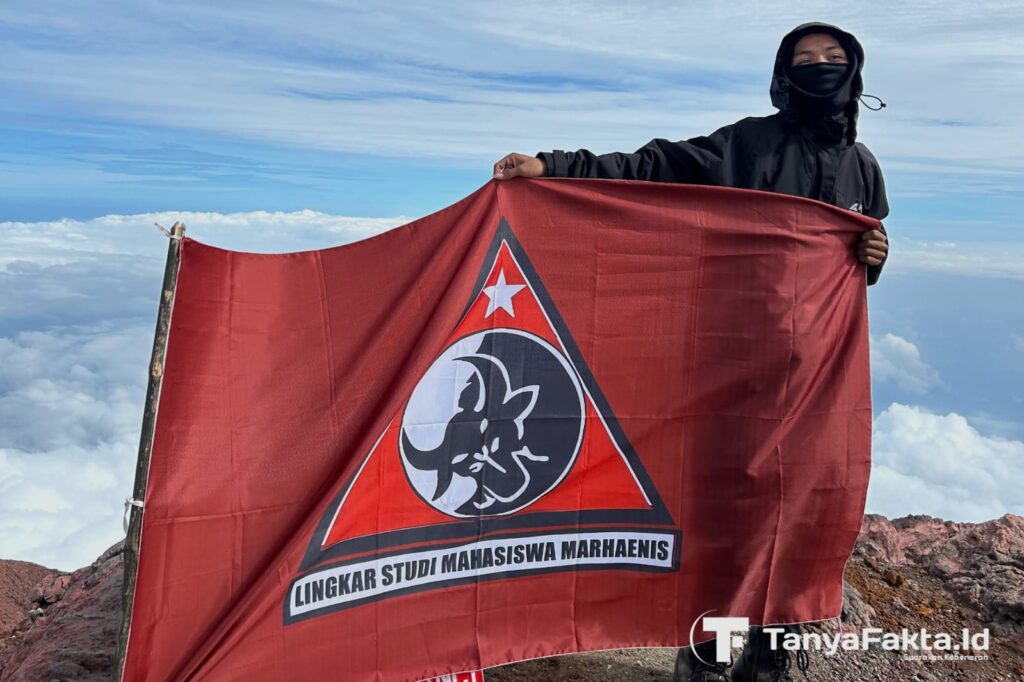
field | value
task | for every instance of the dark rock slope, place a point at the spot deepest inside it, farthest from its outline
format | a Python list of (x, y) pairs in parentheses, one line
[(18, 580), (71, 631)]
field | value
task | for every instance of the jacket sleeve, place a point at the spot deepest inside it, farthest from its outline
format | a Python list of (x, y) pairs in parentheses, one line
[(878, 207), (698, 160)]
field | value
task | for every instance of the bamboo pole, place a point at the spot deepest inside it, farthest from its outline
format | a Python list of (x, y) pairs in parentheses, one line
[(156, 372)]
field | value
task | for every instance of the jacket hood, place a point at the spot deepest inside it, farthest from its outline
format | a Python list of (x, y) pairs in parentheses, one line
[(780, 74)]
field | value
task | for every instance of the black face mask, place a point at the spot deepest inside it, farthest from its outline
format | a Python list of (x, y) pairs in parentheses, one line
[(820, 78), (820, 88)]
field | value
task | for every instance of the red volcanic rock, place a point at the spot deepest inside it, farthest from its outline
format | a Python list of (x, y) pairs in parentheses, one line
[(981, 563), (50, 589), (73, 635), (946, 546), (17, 579)]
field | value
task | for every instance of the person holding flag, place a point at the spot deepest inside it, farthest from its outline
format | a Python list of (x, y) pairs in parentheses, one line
[(808, 148)]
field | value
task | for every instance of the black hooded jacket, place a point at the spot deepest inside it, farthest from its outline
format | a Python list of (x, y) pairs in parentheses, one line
[(788, 152)]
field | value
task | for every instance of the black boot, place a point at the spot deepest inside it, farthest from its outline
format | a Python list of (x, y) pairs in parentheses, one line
[(760, 663), (689, 668)]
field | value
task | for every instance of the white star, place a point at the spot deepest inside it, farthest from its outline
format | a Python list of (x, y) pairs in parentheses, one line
[(501, 295)]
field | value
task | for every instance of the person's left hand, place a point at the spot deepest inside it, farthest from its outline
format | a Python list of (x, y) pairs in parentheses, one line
[(873, 247)]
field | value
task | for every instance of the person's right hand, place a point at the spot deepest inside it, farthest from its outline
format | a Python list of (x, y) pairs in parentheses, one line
[(519, 166)]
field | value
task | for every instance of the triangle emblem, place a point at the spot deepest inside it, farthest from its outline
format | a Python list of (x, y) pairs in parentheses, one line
[(506, 436)]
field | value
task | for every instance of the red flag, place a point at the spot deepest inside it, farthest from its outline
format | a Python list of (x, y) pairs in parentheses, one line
[(556, 416)]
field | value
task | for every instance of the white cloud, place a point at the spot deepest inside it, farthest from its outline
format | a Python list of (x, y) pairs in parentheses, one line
[(76, 330), (893, 358), (926, 463), (70, 413), (70, 272), (985, 259), (1017, 342), (62, 241)]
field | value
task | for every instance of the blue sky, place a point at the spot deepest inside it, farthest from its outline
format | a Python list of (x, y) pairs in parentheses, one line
[(283, 126)]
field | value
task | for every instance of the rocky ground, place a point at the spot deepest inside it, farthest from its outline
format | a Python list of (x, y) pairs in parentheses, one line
[(70, 633), (17, 582), (914, 572)]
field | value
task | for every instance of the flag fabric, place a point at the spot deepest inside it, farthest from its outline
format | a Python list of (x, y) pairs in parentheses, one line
[(556, 416)]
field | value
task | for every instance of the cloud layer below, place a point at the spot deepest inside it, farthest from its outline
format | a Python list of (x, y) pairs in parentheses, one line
[(941, 465)]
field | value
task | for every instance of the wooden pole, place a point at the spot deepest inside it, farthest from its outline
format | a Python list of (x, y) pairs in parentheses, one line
[(156, 372)]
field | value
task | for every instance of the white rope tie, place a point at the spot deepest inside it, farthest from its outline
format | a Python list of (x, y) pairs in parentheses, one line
[(130, 502), (167, 233)]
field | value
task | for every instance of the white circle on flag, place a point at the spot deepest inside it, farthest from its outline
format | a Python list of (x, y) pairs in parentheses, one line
[(495, 423)]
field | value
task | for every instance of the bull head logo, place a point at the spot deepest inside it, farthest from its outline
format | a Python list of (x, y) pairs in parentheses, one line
[(484, 440)]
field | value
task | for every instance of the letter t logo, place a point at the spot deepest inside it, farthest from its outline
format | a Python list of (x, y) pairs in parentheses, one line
[(725, 640)]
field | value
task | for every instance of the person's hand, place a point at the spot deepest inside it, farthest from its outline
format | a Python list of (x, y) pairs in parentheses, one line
[(873, 247), (519, 166)]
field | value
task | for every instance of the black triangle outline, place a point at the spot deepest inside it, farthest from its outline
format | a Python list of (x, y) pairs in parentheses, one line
[(658, 515)]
